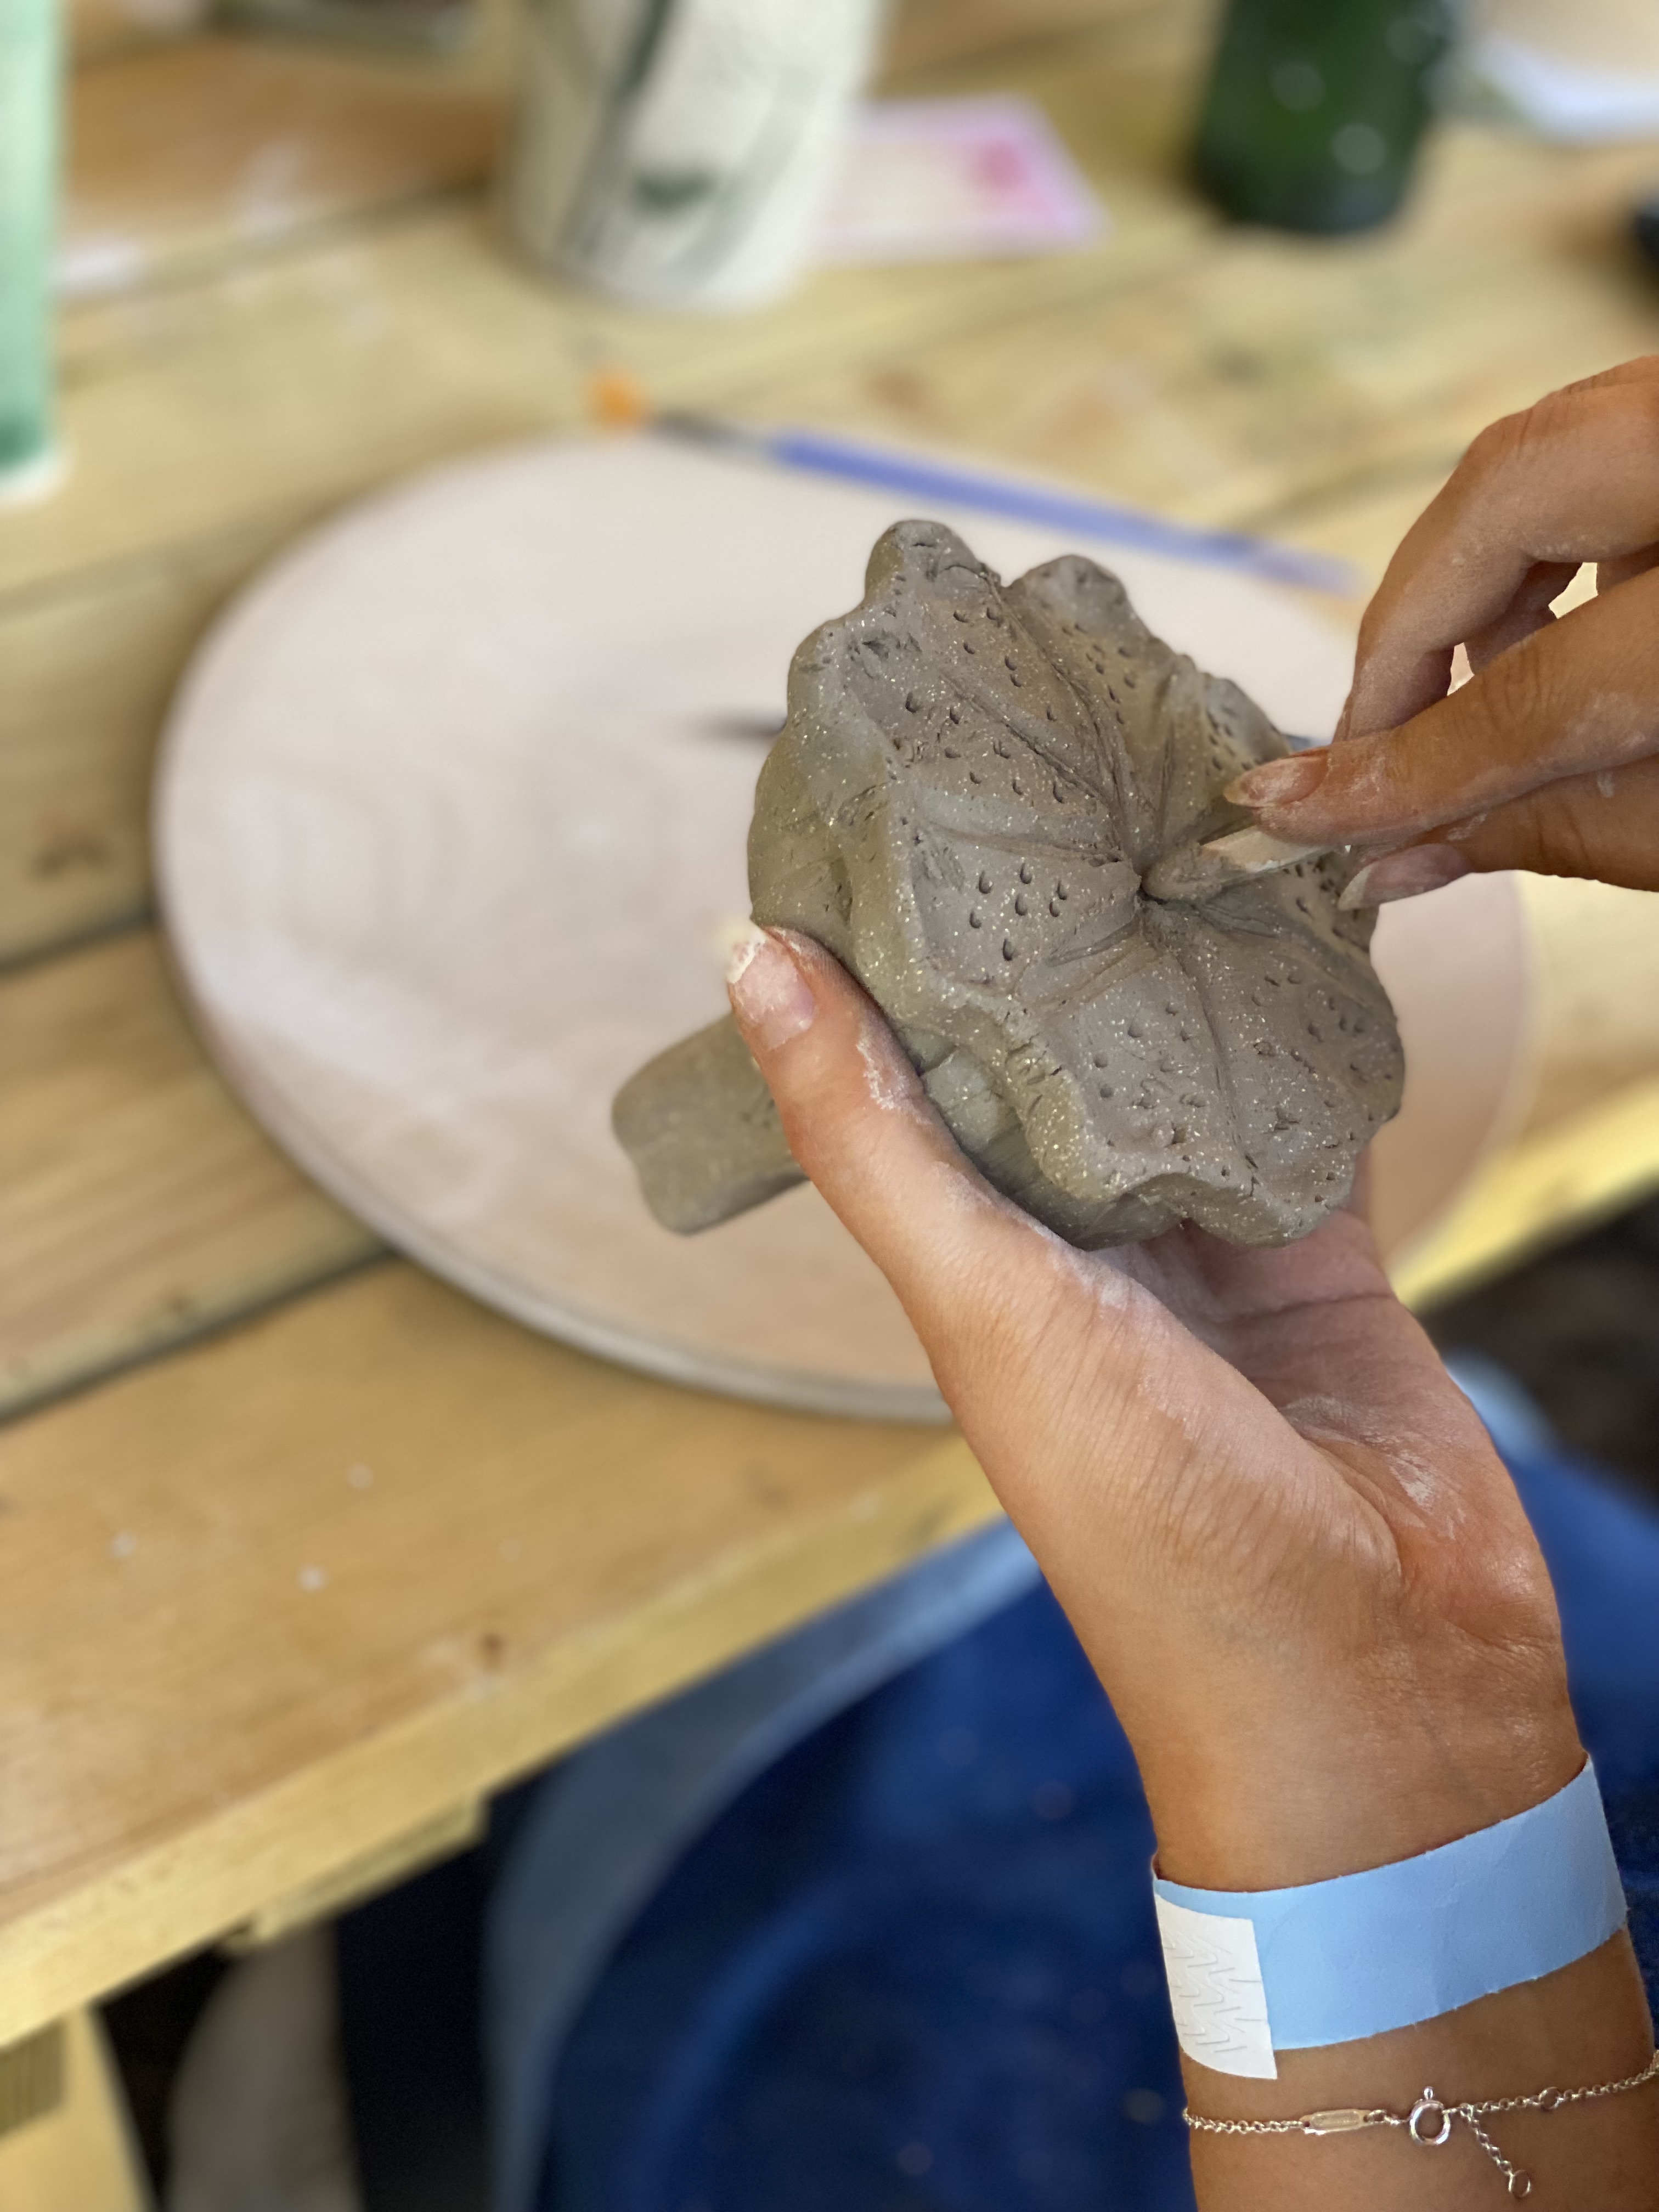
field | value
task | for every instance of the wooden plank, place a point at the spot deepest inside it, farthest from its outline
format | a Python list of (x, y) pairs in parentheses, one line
[(1272, 318), (193, 409), (197, 412), (190, 153), (458, 1828), (931, 34), (922, 35), (1314, 389), (106, 30), (1571, 1174), (88, 674), (139, 1205), (1598, 980), (32, 2078), (270, 1603)]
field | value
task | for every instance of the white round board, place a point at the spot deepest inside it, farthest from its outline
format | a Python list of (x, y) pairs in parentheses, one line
[(451, 820)]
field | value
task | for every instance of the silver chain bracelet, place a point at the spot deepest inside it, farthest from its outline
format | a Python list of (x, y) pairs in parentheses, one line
[(1429, 2123)]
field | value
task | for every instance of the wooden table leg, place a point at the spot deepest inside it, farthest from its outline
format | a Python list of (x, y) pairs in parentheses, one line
[(66, 2141)]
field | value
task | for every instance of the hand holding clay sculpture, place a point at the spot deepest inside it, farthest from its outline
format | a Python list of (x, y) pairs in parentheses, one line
[(987, 803)]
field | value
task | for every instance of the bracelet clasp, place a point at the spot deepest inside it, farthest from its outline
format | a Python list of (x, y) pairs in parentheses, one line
[(1426, 2113)]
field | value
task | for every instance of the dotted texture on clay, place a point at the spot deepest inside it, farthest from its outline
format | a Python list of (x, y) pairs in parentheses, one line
[(970, 789)]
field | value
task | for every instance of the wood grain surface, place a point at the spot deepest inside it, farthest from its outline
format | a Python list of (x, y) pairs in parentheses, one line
[(198, 153), (274, 1600), (139, 1205), (191, 1733)]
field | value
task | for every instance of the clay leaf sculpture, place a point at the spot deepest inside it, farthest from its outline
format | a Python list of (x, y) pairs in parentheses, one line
[(986, 802)]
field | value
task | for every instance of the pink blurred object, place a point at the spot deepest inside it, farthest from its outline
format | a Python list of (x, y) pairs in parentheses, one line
[(957, 179)]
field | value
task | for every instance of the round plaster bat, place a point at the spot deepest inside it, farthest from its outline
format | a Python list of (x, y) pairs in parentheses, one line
[(987, 803)]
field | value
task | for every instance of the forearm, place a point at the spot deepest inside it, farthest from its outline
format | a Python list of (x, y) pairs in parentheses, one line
[(1587, 2024)]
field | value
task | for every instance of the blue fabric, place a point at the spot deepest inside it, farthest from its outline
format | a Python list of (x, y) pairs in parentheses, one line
[(914, 1967), (1633, 1818), (607, 1826), (1602, 1545)]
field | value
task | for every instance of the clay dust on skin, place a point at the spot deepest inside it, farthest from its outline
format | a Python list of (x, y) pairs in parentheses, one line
[(1612, 729), (1161, 1341), (1139, 1323), (1437, 1495), (771, 993), (747, 941), (889, 1078), (1105, 1281), (1395, 684), (966, 1192)]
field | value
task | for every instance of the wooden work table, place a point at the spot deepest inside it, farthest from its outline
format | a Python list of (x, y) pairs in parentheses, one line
[(301, 1555)]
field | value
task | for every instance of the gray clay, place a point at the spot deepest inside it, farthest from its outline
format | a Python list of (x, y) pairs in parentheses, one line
[(986, 803)]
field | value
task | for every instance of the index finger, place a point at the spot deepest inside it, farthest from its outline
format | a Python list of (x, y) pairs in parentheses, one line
[(1574, 478), (1573, 700)]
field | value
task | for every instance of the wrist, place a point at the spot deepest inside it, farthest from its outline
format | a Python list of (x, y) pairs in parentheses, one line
[(1302, 1790)]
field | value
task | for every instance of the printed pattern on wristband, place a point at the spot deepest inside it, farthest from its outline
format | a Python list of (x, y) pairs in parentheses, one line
[(1337, 1961), (1216, 1991)]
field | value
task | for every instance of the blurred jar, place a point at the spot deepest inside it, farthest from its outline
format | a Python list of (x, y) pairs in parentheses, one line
[(1315, 108), (29, 98), (678, 152)]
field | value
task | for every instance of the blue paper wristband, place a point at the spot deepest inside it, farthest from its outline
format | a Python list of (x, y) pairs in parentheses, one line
[(1253, 1972)]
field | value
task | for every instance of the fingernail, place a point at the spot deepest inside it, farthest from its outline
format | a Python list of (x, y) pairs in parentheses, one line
[(1403, 875), (770, 997), (1279, 783)]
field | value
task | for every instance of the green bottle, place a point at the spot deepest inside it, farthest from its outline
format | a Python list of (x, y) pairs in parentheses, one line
[(30, 96), (1314, 108)]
